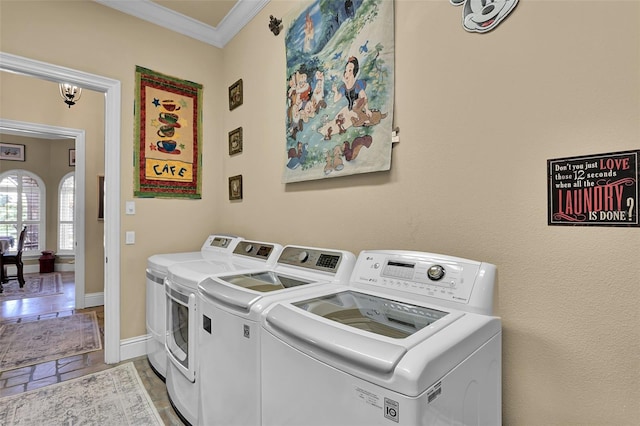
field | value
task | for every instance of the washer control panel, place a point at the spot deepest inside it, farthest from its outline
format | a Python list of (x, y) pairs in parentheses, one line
[(424, 274), (310, 258), (254, 249)]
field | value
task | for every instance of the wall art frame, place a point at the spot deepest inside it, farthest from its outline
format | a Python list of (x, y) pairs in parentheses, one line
[(12, 152), (235, 95), (235, 188), (235, 141), (100, 197)]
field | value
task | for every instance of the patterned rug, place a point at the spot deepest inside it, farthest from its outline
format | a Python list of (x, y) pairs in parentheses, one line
[(34, 286), (111, 397), (26, 343)]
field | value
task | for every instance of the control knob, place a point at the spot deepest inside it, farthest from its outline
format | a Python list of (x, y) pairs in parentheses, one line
[(303, 256), (248, 248), (435, 273)]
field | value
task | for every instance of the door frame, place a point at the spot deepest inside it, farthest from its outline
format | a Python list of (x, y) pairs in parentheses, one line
[(44, 131), (112, 90)]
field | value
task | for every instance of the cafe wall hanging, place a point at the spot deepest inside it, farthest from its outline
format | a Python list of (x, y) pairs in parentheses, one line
[(168, 115), (339, 88)]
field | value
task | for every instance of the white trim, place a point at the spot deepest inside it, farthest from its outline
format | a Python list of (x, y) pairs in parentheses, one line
[(239, 16), (133, 347), (94, 299), (111, 88)]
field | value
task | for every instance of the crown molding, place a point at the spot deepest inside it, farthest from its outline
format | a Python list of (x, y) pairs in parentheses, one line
[(239, 16)]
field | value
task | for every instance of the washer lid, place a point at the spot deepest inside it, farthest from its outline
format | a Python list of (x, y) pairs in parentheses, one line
[(264, 281), (371, 313)]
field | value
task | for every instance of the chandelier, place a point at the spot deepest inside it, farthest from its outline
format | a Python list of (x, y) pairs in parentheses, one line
[(70, 93)]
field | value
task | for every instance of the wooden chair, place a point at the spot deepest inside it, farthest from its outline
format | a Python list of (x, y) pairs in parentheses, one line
[(15, 258)]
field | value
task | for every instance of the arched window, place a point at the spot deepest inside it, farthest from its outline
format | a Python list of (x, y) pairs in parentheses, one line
[(22, 203), (66, 204)]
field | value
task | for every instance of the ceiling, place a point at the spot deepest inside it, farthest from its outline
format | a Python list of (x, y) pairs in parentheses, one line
[(214, 22)]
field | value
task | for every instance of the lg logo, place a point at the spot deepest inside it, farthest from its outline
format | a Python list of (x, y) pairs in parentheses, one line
[(391, 410)]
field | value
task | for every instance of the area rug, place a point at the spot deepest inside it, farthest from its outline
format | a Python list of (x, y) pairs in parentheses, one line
[(111, 397), (28, 343), (34, 286)]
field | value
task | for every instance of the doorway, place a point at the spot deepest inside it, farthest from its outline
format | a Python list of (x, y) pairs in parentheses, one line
[(43, 131), (111, 89)]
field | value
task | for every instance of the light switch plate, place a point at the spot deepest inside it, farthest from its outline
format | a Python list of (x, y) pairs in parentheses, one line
[(130, 207), (130, 237)]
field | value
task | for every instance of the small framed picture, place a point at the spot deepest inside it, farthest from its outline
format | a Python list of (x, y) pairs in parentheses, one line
[(235, 141), (235, 187), (235, 95), (72, 157), (13, 152), (100, 197)]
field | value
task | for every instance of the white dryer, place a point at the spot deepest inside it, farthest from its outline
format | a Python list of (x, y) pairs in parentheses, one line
[(409, 341), (157, 265), (229, 338), (181, 288)]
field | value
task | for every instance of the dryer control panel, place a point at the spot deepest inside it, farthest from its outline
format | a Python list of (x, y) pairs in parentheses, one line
[(429, 275)]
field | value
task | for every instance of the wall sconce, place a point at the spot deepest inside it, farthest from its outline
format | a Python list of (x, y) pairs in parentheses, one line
[(70, 93)]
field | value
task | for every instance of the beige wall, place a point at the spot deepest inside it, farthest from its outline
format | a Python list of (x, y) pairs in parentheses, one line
[(48, 159), (479, 115)]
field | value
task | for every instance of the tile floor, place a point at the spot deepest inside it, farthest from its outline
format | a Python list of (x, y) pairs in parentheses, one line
[(32, 377)]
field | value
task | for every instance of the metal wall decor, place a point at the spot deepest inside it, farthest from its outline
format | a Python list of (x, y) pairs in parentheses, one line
[(595, 190), (275, 25), (481, 16)]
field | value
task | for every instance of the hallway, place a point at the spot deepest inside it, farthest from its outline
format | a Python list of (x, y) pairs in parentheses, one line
[(32, 377)]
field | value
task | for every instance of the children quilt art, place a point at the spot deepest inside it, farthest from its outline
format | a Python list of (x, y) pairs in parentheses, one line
[(339, 88)]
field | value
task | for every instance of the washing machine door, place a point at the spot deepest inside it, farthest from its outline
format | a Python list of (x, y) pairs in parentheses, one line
[(181, 329)]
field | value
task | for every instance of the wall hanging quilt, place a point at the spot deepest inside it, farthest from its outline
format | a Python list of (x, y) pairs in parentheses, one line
[(168, 115), (340, 88)]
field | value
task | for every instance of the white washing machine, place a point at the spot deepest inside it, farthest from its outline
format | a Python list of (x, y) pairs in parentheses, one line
[(182, 317), (409, 341), (157, 265), (229, 339)]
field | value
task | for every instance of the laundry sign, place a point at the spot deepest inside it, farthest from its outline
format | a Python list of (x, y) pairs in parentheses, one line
[(597, 190)]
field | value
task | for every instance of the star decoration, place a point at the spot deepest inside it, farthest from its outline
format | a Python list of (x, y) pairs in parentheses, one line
[(152, 147), (156, 102)]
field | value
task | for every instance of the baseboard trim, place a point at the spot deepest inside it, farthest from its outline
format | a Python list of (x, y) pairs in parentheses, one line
[(133, 347), (93, 299)]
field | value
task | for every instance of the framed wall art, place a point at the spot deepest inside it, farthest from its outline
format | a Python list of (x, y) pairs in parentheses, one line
[(235, 141), (72, 157), (100, 197), (10, 151), (235, 95), (235, 188)]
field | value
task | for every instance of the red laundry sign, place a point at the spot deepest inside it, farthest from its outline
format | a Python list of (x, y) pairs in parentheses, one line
[(597, 190)]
